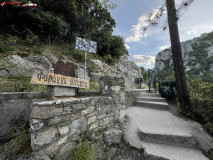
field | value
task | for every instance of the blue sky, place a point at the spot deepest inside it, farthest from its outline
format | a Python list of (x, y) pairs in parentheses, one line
[(143, 47)]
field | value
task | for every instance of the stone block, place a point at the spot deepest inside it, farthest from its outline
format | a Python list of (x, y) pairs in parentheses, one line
[(36, 126), (44, 137), (63, 130), (52, 150), (39, 155), (92, 114), (104, 121), (55, 120), (71, 101), (113, 136), (67, 148), (45, 112), (87, 111), (94, 125), (121, 81), (91, 119), (85, 100), (75, 116), (122, 114), (46, 103), (101, 116), (67, 110), (79, 106), (94, 100)]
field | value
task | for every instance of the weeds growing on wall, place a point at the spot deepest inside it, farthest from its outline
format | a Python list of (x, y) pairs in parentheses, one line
[(18, 145), (84, 152)]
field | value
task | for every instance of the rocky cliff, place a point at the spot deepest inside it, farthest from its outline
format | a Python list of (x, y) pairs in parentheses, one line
[(16, 65), (197, 56)]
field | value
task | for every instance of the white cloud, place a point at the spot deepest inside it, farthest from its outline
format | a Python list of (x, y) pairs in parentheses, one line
[(127, 46), (137, 30), (143, 59), (163, 47), (192, 32)]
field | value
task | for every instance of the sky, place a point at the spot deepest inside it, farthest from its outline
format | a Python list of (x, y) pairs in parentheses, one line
[(130, 17)]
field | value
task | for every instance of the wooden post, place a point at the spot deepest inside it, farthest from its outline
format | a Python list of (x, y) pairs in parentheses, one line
[(50, 88), (183, 95)]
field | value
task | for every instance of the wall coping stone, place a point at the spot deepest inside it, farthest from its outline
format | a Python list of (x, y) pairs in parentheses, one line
[(21, 95)]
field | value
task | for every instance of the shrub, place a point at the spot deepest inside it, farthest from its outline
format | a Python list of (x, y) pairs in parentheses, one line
[(201, 99), (109, 59), (84, 152)]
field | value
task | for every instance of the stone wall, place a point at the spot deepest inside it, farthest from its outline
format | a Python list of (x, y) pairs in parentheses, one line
[(15, 111), (57, 126)]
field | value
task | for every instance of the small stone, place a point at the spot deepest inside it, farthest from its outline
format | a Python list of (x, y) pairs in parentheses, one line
[(92, 114), (104, 121), (35, 121), (75, 116), (58, 102), (39, 155), (63, 130), (113, 136), (87, 111), (79, 106), (101, 116), (55, 120), (94, 125), (91, 119), (94, 100)]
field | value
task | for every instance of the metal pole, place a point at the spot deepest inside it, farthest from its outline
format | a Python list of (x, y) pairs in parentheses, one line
[(85, 67), (149, 79)]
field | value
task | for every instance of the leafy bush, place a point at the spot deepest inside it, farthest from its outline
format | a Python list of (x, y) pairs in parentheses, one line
[(84, 152), (109, 59), (201, 99)]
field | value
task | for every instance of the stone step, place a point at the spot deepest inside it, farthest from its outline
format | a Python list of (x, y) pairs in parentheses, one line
[(171, 139), (151, 99), (169, 152), (152, 105), (143, 94)]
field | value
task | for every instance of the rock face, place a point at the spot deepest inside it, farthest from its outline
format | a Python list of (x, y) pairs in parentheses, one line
[(197, 56), (123, 68), (16, 65)]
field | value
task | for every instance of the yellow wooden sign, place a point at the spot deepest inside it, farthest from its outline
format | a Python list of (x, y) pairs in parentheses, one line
[(52, 79)]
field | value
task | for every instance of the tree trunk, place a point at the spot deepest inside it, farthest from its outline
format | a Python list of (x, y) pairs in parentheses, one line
[(181, 85)]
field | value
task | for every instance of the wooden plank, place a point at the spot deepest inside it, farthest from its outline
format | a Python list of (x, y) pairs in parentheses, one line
[(52, 79)]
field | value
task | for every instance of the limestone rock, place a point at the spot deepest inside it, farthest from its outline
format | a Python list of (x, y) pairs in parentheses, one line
[(113, 136)]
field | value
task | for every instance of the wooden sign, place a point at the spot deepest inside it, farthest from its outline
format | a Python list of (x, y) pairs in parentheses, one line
[(52, 79), (63, 92)]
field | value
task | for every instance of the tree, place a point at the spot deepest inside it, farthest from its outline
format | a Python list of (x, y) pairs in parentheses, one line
[(144, 73), (181, 84), (172, 13)]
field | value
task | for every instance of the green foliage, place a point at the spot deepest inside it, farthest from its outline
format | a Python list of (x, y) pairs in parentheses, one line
[(84, 152), (109, 59), (63, 21), (201, 99), (210, 154), (19, 84), (20, 144), (144, 73)]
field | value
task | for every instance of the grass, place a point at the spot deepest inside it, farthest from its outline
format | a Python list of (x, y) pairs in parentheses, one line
[(84, 152), (19, 145), (19, 84)]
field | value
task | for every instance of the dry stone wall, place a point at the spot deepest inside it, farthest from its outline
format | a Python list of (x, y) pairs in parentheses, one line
[(56, 126)]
